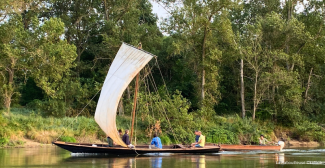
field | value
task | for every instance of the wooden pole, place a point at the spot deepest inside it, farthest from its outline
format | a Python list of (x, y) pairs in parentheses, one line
[(135, 100), (134, 106)]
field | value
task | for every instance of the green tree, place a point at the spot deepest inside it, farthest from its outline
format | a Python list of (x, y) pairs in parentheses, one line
[(36, 52), (12, 58), (201, 29)]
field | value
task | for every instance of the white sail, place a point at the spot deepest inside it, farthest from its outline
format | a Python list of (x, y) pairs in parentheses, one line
[(126, 65)]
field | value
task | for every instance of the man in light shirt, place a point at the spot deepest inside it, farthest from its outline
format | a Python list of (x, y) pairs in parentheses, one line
[(201, 142), (263, 140)]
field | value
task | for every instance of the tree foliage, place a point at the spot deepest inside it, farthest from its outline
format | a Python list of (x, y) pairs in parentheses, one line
[(55, 54)]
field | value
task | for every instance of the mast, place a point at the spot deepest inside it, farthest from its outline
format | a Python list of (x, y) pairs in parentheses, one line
[(135, 99)]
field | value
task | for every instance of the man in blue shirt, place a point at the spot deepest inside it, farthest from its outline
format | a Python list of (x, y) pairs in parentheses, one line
[(155, 143), (197, 136)]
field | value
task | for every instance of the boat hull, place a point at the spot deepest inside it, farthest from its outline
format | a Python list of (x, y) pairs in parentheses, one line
[(249, 147), (88, 148)]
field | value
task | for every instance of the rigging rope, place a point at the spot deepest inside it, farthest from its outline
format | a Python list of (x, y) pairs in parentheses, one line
[(164, 110), (145, 85), (151, 102), (81, 112), (161, 76)]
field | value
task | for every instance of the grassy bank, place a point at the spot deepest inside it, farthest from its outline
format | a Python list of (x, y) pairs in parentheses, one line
[(21, 124)]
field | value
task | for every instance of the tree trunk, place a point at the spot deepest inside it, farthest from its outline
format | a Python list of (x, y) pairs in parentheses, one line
[(287, 51), (128, 92), (9, 90), (242, 89), (78, 61), (7, 99), (255, 100), (289, 18), (203, 70), (274, 104), (106, 11), (121, 108), (11, 75), (308, 86)]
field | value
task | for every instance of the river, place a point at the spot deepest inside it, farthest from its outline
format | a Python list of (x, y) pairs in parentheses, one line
[(56, 157)]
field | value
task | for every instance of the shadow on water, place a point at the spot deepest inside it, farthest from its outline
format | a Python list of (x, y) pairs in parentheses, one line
[(56, 157)]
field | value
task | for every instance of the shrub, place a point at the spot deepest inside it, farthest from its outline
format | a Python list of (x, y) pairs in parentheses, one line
[(309, 131), (42, 136), (220, 135), (11, 143), (20, 142), (165, 140), (68, 139), (4, 141)]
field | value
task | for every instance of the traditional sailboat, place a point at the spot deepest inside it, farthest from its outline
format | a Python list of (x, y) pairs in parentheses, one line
[(127, 64)]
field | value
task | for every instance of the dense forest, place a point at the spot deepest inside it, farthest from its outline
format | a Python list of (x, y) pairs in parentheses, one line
[(257, 64)]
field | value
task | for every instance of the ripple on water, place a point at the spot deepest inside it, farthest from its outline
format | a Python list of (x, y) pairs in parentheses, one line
[(317, 150)]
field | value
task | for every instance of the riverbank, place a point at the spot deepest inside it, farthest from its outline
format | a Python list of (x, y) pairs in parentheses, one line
[(295, 143), (34, 130)]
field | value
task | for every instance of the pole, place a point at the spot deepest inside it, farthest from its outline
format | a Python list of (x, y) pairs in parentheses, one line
[(135, 100), (134, 105)]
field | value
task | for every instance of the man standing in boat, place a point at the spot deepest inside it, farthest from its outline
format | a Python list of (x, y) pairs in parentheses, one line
[(281, 143), (126, 139), (201, 141)]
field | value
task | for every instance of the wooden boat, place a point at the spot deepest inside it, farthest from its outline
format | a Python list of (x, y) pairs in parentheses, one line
[(142, 149), (126, 65), (248, 147)]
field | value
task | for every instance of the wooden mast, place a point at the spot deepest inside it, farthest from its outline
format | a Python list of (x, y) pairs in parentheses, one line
[(135, 99)]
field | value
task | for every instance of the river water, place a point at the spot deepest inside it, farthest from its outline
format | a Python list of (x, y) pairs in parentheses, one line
[(56, 157)]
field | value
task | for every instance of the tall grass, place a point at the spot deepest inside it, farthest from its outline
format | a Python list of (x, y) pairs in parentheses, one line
[(21, 124)]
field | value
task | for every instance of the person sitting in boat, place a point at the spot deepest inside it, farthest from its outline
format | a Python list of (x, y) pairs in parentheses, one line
[(201, 141), (263, 140), (120, 133), (155, 143), (110, 141), (197, 136), (126, 139)]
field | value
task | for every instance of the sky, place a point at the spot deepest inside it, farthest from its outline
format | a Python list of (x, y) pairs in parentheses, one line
[(159, 10), (162, 13)]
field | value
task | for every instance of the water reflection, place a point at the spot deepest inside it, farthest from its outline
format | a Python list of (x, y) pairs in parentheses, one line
[(156, 162), (279, 158), (201, 162), (55, 157), (120, 163)]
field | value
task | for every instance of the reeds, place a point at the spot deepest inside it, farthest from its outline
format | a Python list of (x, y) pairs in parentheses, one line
[(17, 126)]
